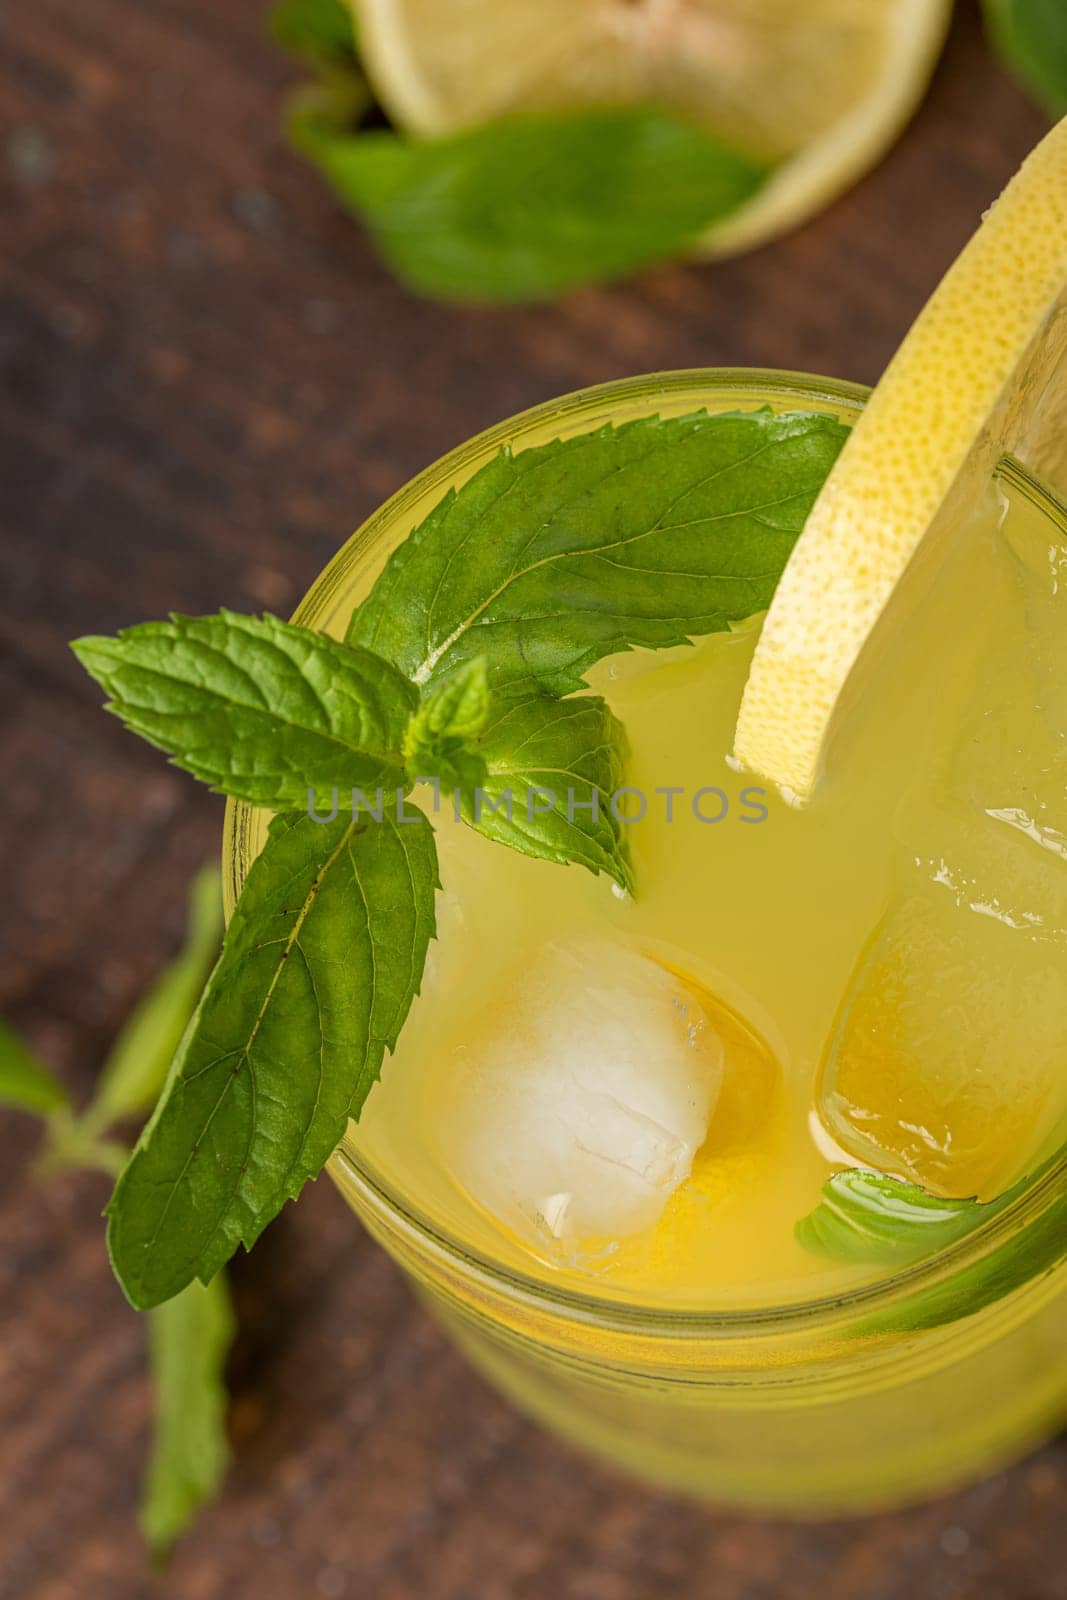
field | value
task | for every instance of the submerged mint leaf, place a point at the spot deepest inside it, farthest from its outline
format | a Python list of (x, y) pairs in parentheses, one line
[(321, 962), (26, 1085), (189, 1339), (646, 534), (137, 1066), (318, 28), (552, 767), (1020, 1258), (255, 707), (531, 207), (868, 1217), (1031, 35), (453, 713)]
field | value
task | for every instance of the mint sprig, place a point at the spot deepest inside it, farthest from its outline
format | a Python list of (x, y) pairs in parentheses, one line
[(322, 960), (189, 1337), (136, 1068), (254, 707), (460, 666), (647, 534), (133, 1075), (189, 1340), (534, 206)]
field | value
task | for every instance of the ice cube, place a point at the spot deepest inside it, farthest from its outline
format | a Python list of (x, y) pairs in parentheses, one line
[(946, 1063), (583, 1096)]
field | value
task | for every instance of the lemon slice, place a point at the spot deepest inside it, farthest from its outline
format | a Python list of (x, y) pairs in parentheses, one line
[(819, 89), (983, 372)]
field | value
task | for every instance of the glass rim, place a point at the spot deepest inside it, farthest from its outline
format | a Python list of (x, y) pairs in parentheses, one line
[(630, 1313)]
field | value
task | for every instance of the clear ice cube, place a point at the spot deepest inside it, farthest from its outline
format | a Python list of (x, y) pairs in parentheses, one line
[(583, 1096), (948, 1062)]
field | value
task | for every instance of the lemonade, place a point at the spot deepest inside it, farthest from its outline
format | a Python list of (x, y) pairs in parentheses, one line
[(875, 980)]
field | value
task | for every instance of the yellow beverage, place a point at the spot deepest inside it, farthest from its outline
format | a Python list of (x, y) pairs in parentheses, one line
[(877, 980)]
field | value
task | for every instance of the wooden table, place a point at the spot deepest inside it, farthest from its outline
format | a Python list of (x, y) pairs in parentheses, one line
[(207, 381)]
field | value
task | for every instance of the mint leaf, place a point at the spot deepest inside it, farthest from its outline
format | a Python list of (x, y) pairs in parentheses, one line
[(646, 534), (189, 1339), (25, 1085), (137, 1066), (868, 1217), (531, 207), (551, 769), (1028, 1253), (319, 28), (452, 715), (1031, 35), (322, 959), (257, 708), (456, 707)]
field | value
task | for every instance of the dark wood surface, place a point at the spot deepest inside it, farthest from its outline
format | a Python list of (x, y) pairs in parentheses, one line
[(207, 381)]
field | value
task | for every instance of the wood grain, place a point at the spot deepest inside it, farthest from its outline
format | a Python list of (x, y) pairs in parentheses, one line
[(207, 380)]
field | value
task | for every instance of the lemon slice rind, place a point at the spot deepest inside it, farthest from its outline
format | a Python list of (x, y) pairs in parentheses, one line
[(822, 171), (981, 373)]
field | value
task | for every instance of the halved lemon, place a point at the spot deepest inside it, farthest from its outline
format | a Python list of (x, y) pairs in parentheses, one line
[(821, 89), (983, 372)]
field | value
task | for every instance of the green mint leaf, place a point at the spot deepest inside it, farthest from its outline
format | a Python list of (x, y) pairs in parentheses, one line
[(322, 29), (1031, 35), (531, 207), (321, 961), (868, 1217), (456, 707), (257, 708), (552, 767), (871, 1219), (136, 1068), (646, 534), (26, 1085), (189, 1339), (452, 715), (1025, 1255)]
